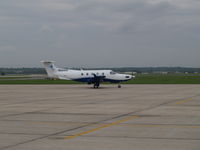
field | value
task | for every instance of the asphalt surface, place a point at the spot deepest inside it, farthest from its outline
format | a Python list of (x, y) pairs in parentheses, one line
[(77, 117)]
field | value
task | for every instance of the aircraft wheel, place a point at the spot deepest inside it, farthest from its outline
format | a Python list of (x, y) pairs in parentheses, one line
[(119, 86), (96, 87)]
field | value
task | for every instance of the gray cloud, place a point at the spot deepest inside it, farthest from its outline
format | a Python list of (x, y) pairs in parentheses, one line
[(100, 33)]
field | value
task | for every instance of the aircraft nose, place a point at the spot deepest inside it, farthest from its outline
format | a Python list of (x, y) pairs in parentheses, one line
[(128, 76)]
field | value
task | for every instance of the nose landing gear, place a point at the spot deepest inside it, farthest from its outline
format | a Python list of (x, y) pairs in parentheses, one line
[(119, 86)]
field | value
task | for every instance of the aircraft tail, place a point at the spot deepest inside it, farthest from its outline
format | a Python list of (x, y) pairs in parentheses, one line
[(50, 68)]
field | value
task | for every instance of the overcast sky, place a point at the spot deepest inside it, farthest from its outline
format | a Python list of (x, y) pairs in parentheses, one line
[(100, 33)]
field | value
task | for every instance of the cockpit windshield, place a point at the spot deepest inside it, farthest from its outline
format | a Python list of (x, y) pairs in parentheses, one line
[(112, 72)]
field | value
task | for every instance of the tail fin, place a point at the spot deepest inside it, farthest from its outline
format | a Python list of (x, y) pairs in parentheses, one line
[(50, 68)]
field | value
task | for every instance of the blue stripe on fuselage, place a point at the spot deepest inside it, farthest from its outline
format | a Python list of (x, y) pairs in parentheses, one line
[(113, 81), (84, 80), (89, 80)]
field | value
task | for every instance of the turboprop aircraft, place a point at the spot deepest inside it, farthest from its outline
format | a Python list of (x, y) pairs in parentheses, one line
[(94, 77)]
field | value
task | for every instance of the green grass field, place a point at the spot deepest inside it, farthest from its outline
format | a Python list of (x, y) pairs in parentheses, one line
[(165, 79), (39, 81), (140, 79), (10, 77)]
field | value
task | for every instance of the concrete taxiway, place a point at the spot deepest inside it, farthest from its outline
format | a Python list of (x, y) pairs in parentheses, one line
[(77, 117)]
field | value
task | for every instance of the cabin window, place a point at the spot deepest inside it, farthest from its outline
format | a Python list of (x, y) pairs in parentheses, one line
[(126, 76), (97, 73), (87, 74), (82, 74), (103, 73), (112, 72), (62, 70)]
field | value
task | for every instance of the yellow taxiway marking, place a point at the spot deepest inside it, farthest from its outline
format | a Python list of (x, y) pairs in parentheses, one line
[(183, 101), (101, 127)]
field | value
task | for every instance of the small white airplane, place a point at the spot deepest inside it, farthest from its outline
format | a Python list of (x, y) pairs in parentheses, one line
[(87, 76)]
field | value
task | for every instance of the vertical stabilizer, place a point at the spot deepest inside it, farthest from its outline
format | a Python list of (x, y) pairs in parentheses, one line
[(50, 68)]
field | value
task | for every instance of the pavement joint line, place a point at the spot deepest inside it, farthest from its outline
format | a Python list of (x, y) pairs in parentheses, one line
[(159, 125), (157, 138), (61, 123), (38, 138), (24, 113), (75, 114), (101, 127), (57, 133), (123, 115), (183, 101), (18, 133), (122, 124)]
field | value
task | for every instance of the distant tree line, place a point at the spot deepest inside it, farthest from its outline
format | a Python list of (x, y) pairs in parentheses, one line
[(158, 69), (4, 71)]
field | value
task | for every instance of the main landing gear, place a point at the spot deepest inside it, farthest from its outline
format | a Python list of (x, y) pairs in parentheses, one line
[(96, 85)]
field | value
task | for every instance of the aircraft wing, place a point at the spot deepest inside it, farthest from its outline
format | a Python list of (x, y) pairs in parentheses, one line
[(63, 78)]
